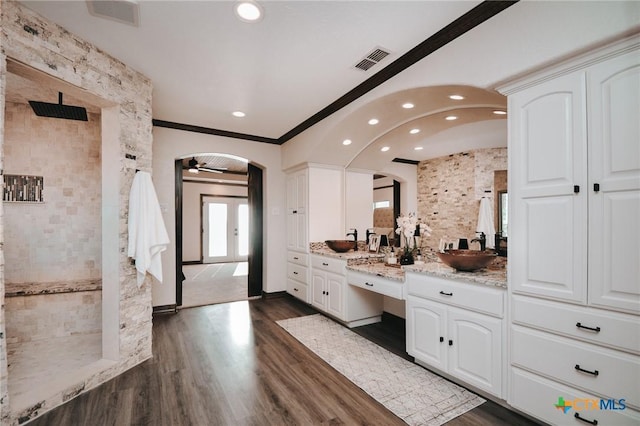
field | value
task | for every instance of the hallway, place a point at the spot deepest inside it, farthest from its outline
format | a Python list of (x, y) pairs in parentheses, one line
[(208, 284)]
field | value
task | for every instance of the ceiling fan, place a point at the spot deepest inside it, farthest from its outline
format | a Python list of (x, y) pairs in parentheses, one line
[(194, 167)]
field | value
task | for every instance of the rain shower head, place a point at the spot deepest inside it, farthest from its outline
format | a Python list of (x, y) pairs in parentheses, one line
[(67, 112)]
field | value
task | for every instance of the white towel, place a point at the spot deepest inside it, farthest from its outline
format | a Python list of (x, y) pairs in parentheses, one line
[(485, 221), (147, 234)]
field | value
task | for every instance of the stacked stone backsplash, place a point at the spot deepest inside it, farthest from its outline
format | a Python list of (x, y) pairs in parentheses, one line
[(449, 192), (125, 98)]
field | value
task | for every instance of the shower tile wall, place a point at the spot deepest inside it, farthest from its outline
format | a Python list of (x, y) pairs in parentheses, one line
[(40, 317), (449, 190), (61, 238)]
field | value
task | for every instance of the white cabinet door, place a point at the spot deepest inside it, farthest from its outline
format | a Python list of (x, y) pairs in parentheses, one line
[(335, 299), (548, 178), (318, 290), (426, 329), (614, 183), (297, 211), (475, 349)]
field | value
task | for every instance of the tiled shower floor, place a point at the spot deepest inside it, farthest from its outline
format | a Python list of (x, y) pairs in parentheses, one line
[(39, 368)]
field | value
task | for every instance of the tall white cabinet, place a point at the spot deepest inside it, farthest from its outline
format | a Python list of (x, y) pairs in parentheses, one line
[(574, 237), (315, 199)]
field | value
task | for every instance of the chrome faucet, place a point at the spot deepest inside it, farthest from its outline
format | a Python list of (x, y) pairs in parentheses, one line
[(354, 232), (482, 239)]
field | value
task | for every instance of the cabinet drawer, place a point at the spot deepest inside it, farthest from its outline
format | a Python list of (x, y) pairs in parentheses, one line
[(620, 331), (297, 272), (299, 258), (612, 374), (328, 264), (297, 289), (475, 297), (538, 396), (380, 285)]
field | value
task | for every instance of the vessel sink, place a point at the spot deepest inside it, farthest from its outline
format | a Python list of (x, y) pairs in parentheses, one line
[(467, 260), (341, 246)]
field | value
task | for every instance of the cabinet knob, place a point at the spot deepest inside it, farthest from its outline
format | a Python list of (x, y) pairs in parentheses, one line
[(295, 289), (596, 187), (450, 342), (295, 211), (441, 339)]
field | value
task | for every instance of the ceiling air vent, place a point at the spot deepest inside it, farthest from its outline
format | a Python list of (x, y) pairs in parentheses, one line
[(124, 11), (372, 58)]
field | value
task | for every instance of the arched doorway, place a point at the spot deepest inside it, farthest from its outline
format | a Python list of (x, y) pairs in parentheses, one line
[(223, 181)]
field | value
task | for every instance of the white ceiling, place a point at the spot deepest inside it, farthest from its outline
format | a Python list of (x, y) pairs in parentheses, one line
[(205, 63)]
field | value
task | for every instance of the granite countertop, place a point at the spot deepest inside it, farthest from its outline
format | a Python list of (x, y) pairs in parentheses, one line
[(493, 277), (361, 253), (496, 277)]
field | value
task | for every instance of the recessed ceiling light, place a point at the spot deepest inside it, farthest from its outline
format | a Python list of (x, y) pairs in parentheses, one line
[(498, 112), (346, 142), (414, 131), (456, 97), (238, 114), (248, 11), (385, 149), (407, 105), (374, 121), (451, 117), (418, 148)]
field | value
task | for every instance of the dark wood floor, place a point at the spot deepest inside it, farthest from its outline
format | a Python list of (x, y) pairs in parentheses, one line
[(231, 364)]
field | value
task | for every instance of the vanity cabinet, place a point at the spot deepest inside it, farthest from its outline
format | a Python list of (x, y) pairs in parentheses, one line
[(574, 235), (298, 275), (331, 294), (457, 328)]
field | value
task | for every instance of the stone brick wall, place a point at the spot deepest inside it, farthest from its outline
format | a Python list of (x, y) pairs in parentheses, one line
[(125, 96), (59, 239), (449, 192)]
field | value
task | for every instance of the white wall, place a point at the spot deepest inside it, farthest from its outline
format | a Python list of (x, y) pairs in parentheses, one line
[(191, 213), (170, 144)]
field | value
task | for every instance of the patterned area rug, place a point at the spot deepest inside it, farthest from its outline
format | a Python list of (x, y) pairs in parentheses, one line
[(411, 392)]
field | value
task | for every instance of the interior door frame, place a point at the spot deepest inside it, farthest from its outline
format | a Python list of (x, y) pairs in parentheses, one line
[(256, 229)]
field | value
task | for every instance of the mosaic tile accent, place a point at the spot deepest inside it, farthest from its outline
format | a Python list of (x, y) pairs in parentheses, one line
[(19, 188), (411, 392)]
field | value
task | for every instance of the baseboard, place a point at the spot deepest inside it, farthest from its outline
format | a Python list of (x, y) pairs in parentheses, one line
[(165, 309), (274, 295), (192, 262)]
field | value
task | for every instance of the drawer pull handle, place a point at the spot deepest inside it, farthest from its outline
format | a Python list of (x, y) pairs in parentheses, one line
[(295, 289), (594, 372), (596, 329), (295, 258), (368, 284), (577, 416), (325, 264), (444, 293)]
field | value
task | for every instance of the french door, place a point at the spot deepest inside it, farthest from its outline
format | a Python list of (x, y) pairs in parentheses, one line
[(225, 229)]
